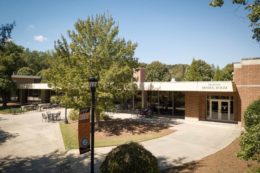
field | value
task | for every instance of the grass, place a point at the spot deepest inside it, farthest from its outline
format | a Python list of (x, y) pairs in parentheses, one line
[(70, 138), (104, 138)]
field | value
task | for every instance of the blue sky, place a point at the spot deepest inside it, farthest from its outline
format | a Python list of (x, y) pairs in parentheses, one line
[(171, 31)]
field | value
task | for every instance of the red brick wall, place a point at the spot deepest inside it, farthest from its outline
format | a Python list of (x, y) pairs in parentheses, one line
[(247, 96), (247, 80), (192, 104), (139, 75)]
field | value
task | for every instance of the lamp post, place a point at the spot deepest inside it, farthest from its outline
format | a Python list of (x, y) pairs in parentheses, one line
[(93, 84)]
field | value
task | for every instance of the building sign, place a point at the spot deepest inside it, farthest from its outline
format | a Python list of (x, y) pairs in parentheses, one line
[(214, 86), (84, 131), (199, 86)]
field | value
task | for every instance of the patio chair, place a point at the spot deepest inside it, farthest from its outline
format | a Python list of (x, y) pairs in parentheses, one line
[(49, 115), (44, 117), (57, 116)]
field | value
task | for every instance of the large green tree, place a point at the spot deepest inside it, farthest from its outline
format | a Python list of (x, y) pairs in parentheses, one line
[(178, 71), (35, 62), (227, 73), (95, 50), (10, 61), (253, 6), (199, 70), (156, 71)]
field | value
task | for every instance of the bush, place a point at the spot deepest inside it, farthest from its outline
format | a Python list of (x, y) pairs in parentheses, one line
[(15, 111), (74, 115), (104, 117), (252, 114), (250, 144), (129, 158), (250, 139)]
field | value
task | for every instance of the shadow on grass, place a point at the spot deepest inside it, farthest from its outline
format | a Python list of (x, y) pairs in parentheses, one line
[(54, 162), (177, 165), (117, 126), (4, 136)]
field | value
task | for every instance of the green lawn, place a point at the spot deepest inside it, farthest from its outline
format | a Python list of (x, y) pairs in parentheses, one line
[(70, 137)]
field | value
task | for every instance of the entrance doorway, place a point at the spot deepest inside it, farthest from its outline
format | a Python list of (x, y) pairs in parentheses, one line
[(220, 109)]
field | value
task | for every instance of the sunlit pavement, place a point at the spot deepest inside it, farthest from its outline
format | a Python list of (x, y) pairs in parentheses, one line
[(29, 144)]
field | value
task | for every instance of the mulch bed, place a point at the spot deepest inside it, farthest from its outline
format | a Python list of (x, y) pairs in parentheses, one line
[(118, 128), (223, 161)]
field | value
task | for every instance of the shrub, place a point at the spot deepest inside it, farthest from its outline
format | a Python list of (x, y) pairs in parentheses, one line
[(74, 115), (250, 139), (252, 114), (250, 144), (15, 111), (103, 116), (129, 158)]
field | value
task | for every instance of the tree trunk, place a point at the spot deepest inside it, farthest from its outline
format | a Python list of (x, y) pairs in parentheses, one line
[(97, 117)]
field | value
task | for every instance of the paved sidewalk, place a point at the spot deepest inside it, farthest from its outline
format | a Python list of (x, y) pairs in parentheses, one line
[(26, 134), (30, 145), (190, 142)]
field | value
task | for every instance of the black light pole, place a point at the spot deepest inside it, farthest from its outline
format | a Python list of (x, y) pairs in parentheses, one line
[(93, 84)]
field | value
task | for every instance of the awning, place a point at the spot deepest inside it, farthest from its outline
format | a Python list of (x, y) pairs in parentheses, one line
[(199, 86)]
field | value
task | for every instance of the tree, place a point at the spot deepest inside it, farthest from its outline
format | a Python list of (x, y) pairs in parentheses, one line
[(199, 70), (217, 74), (227, 73), (94, 50), (25, 71), (10, 61), (178, 71), (5, 33), (156, 71), (253, 6)]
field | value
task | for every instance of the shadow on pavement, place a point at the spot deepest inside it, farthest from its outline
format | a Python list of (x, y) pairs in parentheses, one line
[(177, 165), (54, 162), (4, 136), (117, 126)]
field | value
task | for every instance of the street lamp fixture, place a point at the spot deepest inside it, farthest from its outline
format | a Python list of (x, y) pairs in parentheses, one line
[(92, 84)]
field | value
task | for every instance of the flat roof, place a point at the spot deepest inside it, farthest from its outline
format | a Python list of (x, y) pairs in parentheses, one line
[(196, 86), (26, 77), (34, 86)]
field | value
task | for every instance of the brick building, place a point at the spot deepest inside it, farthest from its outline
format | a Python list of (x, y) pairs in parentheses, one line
[(223, 101)]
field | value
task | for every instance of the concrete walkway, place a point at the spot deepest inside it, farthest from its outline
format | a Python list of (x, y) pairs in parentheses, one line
[(191, 141), (26, 134), (31, 145)]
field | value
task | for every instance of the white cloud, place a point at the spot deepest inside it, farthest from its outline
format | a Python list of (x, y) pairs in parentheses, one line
[(40, 38)]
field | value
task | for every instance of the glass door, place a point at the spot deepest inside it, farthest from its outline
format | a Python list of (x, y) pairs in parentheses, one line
[(220, 109), (225, 110), (214, 110)]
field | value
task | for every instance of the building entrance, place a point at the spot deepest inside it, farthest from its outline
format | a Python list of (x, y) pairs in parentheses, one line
[(220, 109)]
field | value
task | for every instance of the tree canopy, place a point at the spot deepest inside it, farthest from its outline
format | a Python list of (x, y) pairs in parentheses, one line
[(10, 61), (156, 71), (178, 71), (199, 70), (95, 50)]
